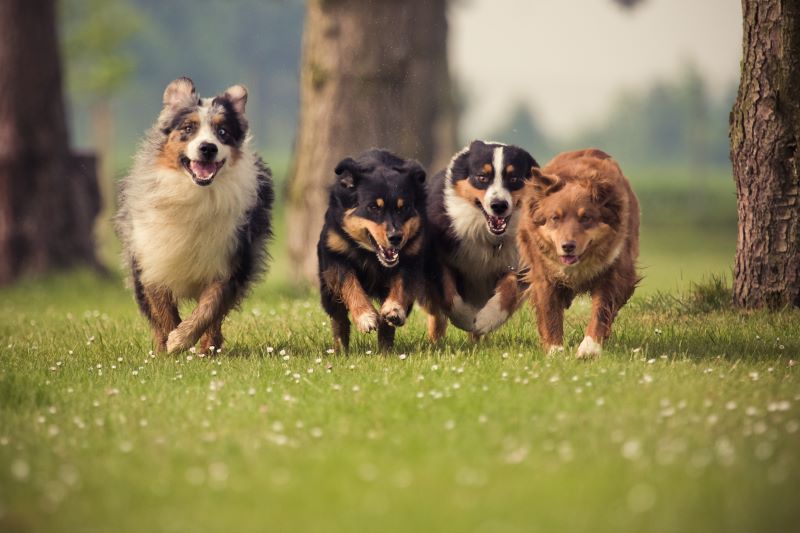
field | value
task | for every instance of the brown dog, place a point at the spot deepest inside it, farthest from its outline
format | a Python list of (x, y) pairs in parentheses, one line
[(579, 233)]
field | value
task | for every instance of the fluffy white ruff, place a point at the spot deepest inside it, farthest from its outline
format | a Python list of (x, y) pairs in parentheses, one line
[(589, 348), (183, 236), (491, 317)]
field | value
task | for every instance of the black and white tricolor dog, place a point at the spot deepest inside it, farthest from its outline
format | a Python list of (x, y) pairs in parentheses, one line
[(194, 215), (471, 259), (372, 244)]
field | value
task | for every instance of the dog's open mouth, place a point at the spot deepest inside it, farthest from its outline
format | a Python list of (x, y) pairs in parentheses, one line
[(497, 225), (569, 260), (202, 172), (388, 257)]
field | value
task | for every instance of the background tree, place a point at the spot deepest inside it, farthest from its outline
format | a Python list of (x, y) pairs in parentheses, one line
[(765, 131), (373, 74), (48, 196)]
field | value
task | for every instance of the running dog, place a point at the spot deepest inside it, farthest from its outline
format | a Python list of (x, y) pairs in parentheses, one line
[(194, 215), (579, 233), (371, 245), (473, 212)]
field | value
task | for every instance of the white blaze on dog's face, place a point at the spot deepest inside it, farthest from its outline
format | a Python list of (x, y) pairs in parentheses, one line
[(484, 185), (203, 135)]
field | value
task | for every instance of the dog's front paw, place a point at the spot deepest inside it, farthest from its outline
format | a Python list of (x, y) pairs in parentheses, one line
[(491, 317), (366, 321), (462, 314), (177, 341), (393, 313), (554, 349), (589, 348)]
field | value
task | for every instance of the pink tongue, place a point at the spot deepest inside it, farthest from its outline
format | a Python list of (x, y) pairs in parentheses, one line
[(203, 170), (569, 259)]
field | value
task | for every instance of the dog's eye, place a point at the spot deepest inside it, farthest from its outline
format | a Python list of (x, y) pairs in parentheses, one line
[(513, 180), (222, 132), (374, 207), (585, 219), (555, 218), (482, 178), (189, 128)]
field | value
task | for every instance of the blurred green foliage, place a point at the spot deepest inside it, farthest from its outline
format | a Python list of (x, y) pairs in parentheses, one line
[(674, 121), (96, 39)]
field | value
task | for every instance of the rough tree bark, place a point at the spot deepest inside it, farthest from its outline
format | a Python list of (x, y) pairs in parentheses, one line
[(374, 74), (765, 126), (48, 197)]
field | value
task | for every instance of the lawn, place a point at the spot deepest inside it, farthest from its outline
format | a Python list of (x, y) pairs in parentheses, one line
[(690, 421)]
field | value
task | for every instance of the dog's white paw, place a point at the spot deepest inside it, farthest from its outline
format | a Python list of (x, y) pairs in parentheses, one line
[(367, 321), (177, 341), (554, 349), (491, 317), (393, 313), (589, 348), (462, 314)]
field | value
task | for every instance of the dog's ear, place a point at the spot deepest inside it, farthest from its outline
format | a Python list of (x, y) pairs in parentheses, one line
[(602, 191), (348, 172), (544, 184), (237, 96), (180, 92), (531, 164), (414, 169)]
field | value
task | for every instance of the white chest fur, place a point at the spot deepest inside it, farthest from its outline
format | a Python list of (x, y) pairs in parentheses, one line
[(183, 236), (480, 257)]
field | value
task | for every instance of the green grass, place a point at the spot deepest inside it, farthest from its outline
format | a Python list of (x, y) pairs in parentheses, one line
[(690, 421)]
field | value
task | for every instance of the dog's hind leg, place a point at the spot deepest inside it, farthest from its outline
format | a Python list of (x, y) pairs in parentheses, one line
[(385, 336), (212, 339), (214, 303), (437, 325)]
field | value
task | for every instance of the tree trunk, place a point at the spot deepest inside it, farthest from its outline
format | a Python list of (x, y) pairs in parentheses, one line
[(765, 124), (48, 197), (374, 74)]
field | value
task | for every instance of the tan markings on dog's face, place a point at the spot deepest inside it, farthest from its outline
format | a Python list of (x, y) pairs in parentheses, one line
[(336, 243), (487, 168), (570, 216), (175, 146), (410, 228), (464, 189), (510, 169), (400, 203), (360, 229), (379, 202)]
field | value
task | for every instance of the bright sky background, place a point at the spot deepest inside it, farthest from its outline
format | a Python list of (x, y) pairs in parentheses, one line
[(568, 59)]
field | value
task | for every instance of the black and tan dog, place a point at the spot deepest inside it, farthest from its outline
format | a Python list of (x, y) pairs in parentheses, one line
[(471, 261), (371, 245)]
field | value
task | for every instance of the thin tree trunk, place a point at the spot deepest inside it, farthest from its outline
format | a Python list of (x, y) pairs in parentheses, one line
[(48, 197), (102, 121), (765, 125), (374, 74)]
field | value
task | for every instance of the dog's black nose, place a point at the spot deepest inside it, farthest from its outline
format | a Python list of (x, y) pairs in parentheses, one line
[(499, 206), (568, 247), (208, 150), (395, 237)]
